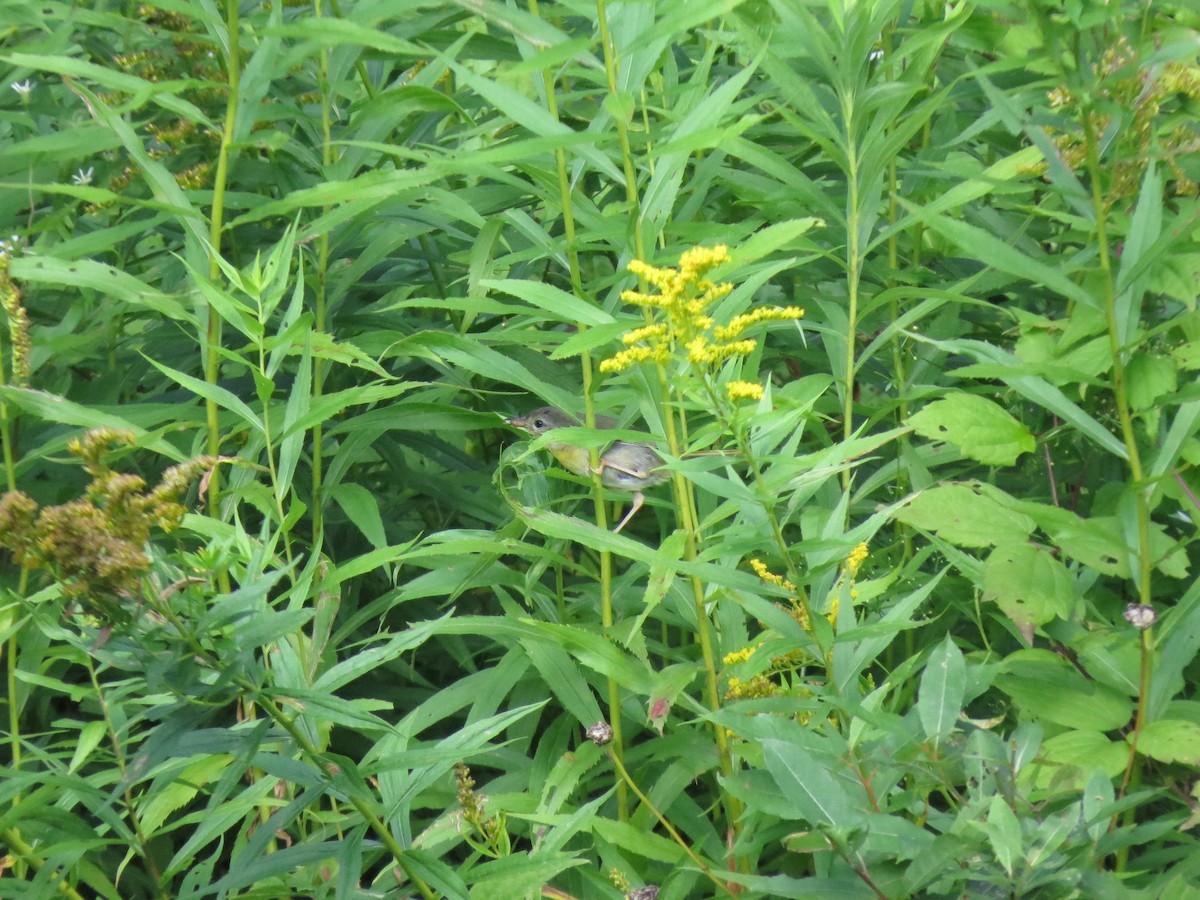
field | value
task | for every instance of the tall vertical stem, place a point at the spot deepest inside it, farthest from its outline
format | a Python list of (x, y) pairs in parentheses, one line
[(212, 361)]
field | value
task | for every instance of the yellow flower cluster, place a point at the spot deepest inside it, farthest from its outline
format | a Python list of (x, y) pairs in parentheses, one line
[(761, 570), (738, 656), (740, 323), (683, 294), (702, 352), (626, 358), (743, 390), (856, 558), (757, 687)]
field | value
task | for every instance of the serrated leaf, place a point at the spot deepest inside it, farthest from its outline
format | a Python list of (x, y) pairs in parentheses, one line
[(983, 430), (968, 514), (1171, 740), (1095, 542), (1028, 584), (1149, 377)]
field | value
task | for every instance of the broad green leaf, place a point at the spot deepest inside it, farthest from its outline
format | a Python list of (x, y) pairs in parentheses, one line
[(518, 875), (1004, 833), (1089, 750), (1028, 584), (1170, 741), (970, 515), (561, 675), (983, 245), (1149, 377), (635, 840), (1035, 388), (59, 409), (1048, 688), (1095, 542), (222, 397), (805, 779), (981, 429)]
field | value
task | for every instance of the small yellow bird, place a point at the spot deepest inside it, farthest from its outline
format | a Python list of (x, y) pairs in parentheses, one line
[(624, 465)]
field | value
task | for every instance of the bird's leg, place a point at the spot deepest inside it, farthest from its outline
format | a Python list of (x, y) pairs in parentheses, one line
[(638, 500), (624, 470)]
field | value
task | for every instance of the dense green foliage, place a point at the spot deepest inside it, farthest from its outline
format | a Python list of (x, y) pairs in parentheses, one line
[(904, 293)]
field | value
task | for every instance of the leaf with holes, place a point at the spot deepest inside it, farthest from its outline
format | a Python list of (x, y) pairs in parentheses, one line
[(981, 429)]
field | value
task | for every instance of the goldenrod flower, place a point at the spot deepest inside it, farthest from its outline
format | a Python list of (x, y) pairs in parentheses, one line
[(743, 390), (738, 656), (687, 332), (645, 333), (761, 570), (740, 323), (856, 558)]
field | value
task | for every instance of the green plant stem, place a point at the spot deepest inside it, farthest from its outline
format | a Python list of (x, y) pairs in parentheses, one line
[(314, 756), (609, 52), (22, 851), (631, 188), (684, 503), (6, 444), (705, 867), (319, 323), (685, 509), (589, 411), (1132, 776), (359, 66), (307, 749), (1120, 394), (212, 359), (853, 273), (143, 844), (11, 696), (269, 451), (1146, 651), (1125, 416)]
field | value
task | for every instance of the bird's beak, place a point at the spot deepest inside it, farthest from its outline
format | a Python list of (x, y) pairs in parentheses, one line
[(517, 422)]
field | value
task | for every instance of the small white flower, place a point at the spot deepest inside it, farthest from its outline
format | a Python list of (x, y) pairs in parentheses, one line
[(82, 177), (24, 88), (875, 55), (9, 247)]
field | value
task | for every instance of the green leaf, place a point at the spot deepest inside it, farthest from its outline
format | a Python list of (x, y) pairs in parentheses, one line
[(561, 306), (983, 245), (767, 240), (983, 430), (1170, 741), (1004, 833), (1150, 377), (808, 783), (518, 875), (219, 395), (63, 411), (969, 515), (1028, 584), (943, 687), (1048, 688), (1089, 750), (1095, 542), (361, 508), (105, 280)]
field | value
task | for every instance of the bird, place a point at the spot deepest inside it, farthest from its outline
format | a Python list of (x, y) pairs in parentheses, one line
[(624, 465)]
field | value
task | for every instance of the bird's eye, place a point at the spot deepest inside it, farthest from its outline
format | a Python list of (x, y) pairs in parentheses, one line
[(539, 423)]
